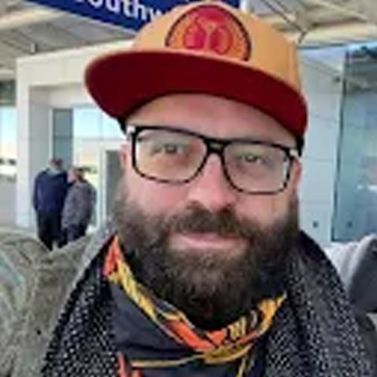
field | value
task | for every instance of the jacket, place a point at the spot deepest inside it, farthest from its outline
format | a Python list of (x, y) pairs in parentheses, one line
[(50, 190), (356, 263), (79, 204), (41, 281), (55, 277)]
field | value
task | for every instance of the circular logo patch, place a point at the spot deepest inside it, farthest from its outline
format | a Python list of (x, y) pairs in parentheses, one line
[(211, 29)]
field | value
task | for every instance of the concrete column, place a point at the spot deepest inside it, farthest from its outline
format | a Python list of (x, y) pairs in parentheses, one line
[(34, 130)]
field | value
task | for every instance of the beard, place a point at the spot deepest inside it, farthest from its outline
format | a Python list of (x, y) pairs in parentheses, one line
[(213, 289)]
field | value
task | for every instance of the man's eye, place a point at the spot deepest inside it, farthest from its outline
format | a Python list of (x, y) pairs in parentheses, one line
[(252, 159), (169, 149)]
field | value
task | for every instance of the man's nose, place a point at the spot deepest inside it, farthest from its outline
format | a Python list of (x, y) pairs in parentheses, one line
[(211, 188)]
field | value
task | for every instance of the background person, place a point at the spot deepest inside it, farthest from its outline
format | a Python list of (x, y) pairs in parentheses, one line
[(50, 190), (79, 206)]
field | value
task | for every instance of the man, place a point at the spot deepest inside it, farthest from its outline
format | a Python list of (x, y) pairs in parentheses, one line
[(205, 272), (50, 190), (78, 207)]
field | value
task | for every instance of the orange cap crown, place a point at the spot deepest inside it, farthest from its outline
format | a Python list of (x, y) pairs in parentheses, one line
[(205, 47), (214, 28)]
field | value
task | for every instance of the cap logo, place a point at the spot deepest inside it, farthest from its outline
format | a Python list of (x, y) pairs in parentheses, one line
[(211, 29)]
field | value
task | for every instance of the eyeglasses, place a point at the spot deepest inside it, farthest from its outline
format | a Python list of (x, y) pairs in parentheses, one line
[(177, 156)]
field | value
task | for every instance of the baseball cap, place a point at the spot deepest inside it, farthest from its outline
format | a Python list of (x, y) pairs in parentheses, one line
[(205, 47)]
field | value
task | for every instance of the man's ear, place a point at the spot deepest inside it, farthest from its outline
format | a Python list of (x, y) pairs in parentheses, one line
[(123, 154), (296, 173)]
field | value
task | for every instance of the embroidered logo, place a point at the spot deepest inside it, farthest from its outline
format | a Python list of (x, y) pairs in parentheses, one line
[(211, 29)]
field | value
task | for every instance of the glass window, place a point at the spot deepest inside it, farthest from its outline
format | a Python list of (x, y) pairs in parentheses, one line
[(8, 143), (86, 122), (356, 186), (110, 128), (86, 141), (94, 133)]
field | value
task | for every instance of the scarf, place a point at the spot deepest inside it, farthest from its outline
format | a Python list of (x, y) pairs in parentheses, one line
[(184, 344), (313, 334)]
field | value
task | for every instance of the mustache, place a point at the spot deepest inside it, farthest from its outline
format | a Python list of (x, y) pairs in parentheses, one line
[(196, 219), (212, 290)]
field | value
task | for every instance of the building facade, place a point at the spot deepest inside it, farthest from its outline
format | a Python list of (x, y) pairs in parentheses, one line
[(54, 116)]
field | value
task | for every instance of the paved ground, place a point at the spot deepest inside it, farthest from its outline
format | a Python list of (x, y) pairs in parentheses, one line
[(15, 228)]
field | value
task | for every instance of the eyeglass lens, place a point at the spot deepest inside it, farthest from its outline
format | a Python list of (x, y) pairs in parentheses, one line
[(176, 157)]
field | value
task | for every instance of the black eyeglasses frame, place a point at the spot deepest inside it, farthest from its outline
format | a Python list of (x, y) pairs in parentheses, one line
[(213, 145)]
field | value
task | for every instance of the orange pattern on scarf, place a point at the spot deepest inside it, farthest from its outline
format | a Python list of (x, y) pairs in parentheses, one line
[(234, 342)]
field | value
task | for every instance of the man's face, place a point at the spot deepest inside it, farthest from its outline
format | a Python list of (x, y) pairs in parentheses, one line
[(72, 175), (212, 251)]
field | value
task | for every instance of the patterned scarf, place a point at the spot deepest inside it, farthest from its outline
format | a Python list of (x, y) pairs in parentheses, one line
[(234, 343), (313, 334)]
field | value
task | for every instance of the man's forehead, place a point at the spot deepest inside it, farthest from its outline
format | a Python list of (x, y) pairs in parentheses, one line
[(202, 102), (215, 116)]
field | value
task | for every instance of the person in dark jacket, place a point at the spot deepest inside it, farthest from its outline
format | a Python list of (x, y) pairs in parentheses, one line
[(50, 190), (78, 206)]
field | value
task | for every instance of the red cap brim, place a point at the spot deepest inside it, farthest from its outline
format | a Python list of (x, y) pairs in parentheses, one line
[(122, 82)]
